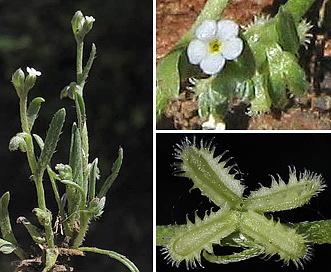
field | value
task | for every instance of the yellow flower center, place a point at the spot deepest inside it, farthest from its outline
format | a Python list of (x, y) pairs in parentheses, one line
[(215, 46)]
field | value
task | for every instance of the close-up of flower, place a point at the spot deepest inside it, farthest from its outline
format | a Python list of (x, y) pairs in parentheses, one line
[(216, 42), (33, 72)]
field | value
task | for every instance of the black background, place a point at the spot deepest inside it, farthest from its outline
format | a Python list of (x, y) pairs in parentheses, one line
[(118, 97), (257, 155)]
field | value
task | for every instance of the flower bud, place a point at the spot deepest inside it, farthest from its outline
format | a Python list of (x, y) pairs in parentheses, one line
[(65, 171), (81, 25), (69, 91), (96, 206), (77, 22), (31, 78), (88, 24), (17, 142), (18, 81)]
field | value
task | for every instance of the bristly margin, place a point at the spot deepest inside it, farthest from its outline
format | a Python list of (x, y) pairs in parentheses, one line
[(214, 177), (190, 240)]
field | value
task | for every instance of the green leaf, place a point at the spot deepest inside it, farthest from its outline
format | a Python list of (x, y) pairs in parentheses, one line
[(294, 75), (6, 247), (261, 101), (33, 110), (74, 185), (317, 232), (35, 233), (80, 106), (168, 80), (298, 8), (287, 33), (75, 160), (39, 141), (110, 180), (51, 140), (5, 225), (277, 90), (94, 175)]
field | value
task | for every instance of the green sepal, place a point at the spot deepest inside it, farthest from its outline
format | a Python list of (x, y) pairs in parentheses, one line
[(114, 173), (51, 140), (18, 79), (33, 110), (96, 207), (69, 91), (6, 247), (287, 33)]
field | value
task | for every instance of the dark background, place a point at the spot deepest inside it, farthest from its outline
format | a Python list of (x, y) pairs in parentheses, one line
[(118, 97), (257, 155)]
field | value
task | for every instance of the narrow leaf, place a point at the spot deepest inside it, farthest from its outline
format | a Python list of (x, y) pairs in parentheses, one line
[(75, 161), (39, 141), (80, 107), (51, 140), (5, 225), (33, 109), (94, 175), (74, 185), (110, 180)]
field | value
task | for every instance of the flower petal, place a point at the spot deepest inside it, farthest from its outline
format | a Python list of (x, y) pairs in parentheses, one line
[(231, 49), (227, 29), (197, 51), (207, 30), (212, 64)]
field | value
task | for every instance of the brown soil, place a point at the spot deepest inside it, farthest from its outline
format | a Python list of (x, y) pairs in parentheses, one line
[(175, 17)]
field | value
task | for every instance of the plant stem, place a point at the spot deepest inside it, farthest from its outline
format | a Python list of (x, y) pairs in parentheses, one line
[(79, 61), (298, 8), (42, 205), (33, 165), (28, 139), (84, 219), (112, 254)]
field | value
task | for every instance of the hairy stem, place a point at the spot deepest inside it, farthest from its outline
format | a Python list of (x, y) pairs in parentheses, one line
[(28, 139), (130, 265)]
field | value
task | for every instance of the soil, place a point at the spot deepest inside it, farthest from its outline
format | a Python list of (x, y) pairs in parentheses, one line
[(310, 112)]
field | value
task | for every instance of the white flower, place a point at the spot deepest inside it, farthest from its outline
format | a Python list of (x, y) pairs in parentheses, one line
[(89, 19), (215, 42), (33, 72)]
